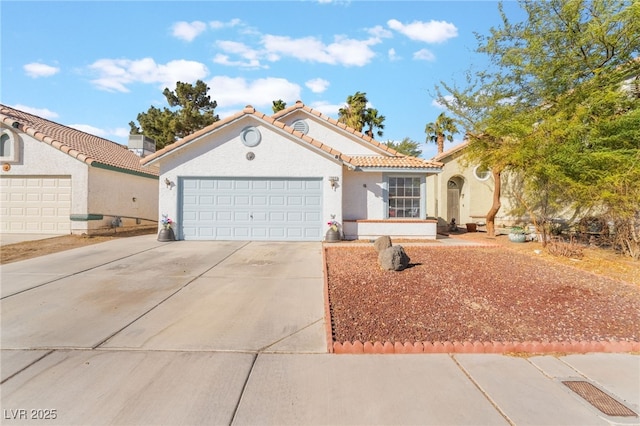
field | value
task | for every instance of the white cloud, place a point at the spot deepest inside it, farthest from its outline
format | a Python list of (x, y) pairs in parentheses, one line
[(428, 32), (424, 55), (393, 55), (40, 112), (217, 25), (36, 69), (121, 132), (188, 30), (380, 32), (317, 85), (251, 56), (343, 51), (260, 93), (117, 74), (326, 108)]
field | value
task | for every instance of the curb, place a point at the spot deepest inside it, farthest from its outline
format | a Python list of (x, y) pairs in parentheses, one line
[(476, 347)]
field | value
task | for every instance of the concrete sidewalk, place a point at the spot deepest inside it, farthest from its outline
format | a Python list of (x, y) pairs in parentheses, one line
[(134, 331)]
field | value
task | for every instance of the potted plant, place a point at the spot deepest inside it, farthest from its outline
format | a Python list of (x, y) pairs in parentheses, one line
[(517, 234), (166, 233), (333, 233)]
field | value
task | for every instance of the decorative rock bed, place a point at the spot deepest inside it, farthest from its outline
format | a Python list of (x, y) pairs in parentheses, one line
[(475, 300)]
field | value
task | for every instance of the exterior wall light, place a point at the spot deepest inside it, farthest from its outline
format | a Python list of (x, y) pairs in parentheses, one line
[(333, 181)]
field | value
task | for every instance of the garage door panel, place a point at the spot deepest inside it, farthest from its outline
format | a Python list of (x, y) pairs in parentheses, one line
[(36, 204), (259, 216), (223, 200), (252, 208), (295, 201), (277, 216)]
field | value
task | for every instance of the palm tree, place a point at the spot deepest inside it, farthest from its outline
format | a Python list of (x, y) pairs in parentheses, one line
[(443, 128), (373, 120), (352, 114)]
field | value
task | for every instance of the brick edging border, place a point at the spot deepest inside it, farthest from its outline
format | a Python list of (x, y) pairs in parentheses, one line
[(476, 347)]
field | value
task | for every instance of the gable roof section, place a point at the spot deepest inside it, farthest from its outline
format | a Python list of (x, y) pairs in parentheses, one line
[(92, 150), (353, 162), (451, 151), (366, 138)]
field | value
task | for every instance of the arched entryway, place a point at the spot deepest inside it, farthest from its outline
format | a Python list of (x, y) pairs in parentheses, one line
[(454, 189)]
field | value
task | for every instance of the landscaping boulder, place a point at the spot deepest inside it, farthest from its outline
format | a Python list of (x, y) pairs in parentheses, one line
[(382, 243), (393, 259)]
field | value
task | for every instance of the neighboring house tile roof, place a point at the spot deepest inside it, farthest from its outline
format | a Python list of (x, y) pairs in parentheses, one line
[(92, 150), (451, 151), (299, 105), (398, 161)]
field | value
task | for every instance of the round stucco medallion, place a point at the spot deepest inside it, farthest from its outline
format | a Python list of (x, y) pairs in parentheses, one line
[(250, 156), (6, 167), (250, 136)]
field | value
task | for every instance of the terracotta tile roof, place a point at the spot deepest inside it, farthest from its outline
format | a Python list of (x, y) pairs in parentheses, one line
[(451, 151), (248, 110), (90, 149), (299, 105), (376, 161), (379, 161)]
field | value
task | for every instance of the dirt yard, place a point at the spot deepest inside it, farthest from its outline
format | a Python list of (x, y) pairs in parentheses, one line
[(29, 249)]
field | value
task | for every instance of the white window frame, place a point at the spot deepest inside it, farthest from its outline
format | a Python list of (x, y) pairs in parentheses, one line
[(422, 198), (12, 142), (481, 178)]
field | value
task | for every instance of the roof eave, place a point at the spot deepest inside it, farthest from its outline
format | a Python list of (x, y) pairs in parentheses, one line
[(399, 169)]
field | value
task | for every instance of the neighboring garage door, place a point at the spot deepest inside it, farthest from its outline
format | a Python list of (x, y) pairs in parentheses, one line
[(251, 209), (36, 204)]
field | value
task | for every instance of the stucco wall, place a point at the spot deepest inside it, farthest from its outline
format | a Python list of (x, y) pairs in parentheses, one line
[(124, 195), (223, 154), (363, 195), (325, 132), (476, 196)]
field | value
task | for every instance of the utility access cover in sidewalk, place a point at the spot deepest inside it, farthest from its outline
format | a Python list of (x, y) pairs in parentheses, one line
[(599, 399)]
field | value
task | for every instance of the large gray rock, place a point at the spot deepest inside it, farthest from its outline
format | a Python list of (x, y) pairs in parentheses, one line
[(393, 259), (382, 243)]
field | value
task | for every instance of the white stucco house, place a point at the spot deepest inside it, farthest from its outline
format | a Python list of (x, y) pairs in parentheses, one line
[(252, 176), (58, 180)]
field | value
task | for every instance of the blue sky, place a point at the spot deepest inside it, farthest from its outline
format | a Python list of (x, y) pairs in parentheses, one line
[(95, 65)]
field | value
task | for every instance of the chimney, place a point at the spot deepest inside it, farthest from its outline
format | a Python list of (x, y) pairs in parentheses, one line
[(141, 145)]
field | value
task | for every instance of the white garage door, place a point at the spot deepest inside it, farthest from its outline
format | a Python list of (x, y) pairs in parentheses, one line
[(36, 204), (251, 209)]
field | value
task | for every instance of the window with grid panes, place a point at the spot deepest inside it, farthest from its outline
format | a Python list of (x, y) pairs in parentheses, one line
[(404, 197)]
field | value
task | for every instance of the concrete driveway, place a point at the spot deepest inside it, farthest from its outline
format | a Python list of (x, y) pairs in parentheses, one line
[(137, 293), (137, 332)]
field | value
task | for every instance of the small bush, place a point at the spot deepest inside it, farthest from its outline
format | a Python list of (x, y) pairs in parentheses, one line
[(567, 249)]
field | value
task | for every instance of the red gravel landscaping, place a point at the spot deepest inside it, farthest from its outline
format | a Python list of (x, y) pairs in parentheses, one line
[(474, 294)]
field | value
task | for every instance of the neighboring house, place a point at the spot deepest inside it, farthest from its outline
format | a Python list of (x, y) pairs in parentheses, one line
[(58, 180), (284, 177), (463, 192)]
